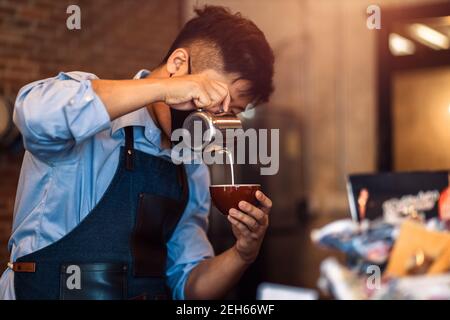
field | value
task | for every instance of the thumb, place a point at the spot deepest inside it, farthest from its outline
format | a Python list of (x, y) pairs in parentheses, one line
[(201, 99), (184, 106)]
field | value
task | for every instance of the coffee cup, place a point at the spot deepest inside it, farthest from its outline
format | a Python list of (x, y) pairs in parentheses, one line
[(227, 196)]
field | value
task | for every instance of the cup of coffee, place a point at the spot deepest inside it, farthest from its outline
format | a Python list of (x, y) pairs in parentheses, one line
[(227, 196)]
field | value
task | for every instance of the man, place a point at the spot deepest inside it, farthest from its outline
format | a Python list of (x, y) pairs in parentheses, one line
[(101, 211)]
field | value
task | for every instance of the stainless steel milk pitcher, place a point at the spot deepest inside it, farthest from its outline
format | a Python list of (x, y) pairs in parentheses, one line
[(211, 131)]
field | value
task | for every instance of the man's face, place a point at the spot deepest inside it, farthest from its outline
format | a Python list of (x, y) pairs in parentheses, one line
[(237, 87)]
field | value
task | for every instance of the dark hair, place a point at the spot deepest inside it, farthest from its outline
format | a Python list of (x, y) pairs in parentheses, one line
[(243, 47)]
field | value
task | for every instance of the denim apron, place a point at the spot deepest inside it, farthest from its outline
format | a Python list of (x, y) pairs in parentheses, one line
[(119, 250)]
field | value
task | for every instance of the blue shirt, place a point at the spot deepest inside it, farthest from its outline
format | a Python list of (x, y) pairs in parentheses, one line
[(72, 151)]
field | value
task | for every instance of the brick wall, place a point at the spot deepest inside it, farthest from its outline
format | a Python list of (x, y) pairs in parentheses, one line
[(9, 173), (117, 38)]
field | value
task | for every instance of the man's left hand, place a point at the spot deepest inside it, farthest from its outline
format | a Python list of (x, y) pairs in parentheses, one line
[(249, 224)]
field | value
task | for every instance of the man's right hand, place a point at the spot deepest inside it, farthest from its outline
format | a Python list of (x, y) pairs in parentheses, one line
[(195, 91), (182, 92)]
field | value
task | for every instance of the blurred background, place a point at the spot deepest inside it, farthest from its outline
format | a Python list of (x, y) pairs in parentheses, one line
[(348, 99)]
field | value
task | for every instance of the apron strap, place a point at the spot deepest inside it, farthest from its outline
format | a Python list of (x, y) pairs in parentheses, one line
[(182, 180), (129, 148)]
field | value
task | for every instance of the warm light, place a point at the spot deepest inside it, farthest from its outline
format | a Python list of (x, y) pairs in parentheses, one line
[(420, 258), (429, 36), (449, 108), (400, 46)]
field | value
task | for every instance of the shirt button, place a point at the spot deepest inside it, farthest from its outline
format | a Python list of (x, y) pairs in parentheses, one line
[(88, 98), (72, 102)]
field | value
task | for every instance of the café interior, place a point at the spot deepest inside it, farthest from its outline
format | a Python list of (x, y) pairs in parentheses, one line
[(361, 197)]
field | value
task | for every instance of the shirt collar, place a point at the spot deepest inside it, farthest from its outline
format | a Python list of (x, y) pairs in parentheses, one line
[(141, 118)]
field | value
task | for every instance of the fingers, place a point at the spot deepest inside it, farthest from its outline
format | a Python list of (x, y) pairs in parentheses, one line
[(226, 102), (254, 212), (216, 94), (249, 222), (225, 95), (266, 203), (196, 91), (251, 216), (212, 95), (243, 229), (239, 225), (190, 105), (201, 97)]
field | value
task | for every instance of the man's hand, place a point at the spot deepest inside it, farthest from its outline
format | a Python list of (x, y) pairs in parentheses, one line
[(214, 277), (249, 226), (195, 91), (182, 92)]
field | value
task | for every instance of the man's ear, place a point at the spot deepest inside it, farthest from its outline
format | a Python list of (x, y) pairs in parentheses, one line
[(178, 62)]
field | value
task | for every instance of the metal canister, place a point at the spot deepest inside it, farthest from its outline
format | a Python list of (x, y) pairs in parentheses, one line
[(214, 129)]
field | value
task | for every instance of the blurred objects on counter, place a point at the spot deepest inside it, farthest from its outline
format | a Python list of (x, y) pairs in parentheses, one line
[(444, 205), (338, 281), (407, 253), (363, 243), (341, 283), (273, 291), (419, 250), (402, 252), (394, 196), (415, 288)]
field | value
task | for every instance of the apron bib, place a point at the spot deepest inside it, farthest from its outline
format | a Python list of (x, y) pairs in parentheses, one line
[(119, 250)]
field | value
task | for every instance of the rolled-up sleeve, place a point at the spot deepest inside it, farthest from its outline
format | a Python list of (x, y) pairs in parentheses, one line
[(189, 244), (55, 114)]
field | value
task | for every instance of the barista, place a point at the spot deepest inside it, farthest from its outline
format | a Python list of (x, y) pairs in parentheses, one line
[(101, 212)]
